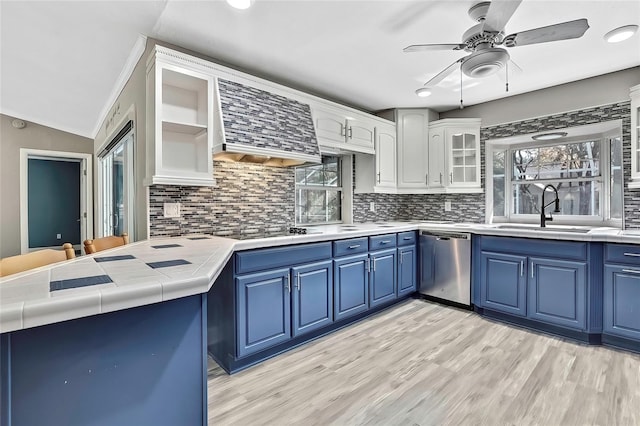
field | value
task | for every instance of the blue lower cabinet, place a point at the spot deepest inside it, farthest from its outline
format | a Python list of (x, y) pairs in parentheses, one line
[(557, 292), (351, 285), (407, 270), (263, 310), (382, 283), (312, 296), (622, 301), (503, 284)]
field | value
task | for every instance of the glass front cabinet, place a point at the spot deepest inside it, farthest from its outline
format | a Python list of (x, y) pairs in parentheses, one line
[(461, 153)]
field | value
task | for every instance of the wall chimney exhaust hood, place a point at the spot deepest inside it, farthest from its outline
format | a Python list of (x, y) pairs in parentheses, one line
[(256, 126)]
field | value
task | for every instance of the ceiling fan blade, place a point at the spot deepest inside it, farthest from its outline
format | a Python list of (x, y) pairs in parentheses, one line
[(563, 31), (432, 47), (443, 74), (500, 11)]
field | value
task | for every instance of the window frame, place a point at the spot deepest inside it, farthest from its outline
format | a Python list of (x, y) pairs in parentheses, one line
[(609, 131), (340, 189)]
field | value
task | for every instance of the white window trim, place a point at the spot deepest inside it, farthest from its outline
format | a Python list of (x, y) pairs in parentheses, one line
[(600, 131), (346, 189)]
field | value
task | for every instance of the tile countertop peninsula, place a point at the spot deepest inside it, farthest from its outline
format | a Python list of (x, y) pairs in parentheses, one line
[(159, 270)]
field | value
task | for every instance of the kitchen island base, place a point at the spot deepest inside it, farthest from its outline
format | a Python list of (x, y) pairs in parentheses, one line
[(140, 366)]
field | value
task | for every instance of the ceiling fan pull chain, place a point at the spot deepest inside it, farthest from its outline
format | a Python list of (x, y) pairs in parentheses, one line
[(506, 72), (461, 104)]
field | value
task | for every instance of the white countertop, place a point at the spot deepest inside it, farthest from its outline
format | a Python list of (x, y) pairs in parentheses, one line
[(27, 301)]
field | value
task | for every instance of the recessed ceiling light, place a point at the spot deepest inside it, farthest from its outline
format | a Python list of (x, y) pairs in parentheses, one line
[(549, 136), (620, 34), (423, 92), (240, 4)]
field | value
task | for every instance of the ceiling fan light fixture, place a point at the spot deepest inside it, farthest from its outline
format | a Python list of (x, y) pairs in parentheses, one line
[(423, 92), (240, 4), (620, 34), (549, 136), (484, 63)]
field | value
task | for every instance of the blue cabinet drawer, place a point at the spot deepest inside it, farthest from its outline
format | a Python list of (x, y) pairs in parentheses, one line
[(406, 238), (622, 253), (350, 246), (381, 242), (276, 257)]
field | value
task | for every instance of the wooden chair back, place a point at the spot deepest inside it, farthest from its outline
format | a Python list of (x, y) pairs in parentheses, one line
[(99, 244), (35, 259)]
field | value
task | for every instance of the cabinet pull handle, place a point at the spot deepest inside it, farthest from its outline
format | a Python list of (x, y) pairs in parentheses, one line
[(343, 130), (406, 238), (401, 257), (350, 132), (298, 281), (368, 266), (374, 264), (426, 179), (378, 177), (385, 241), (532, 273), (451, 177), (288, 283), (441, 178), (632, 254), (521, 267), (355, 246), (631, 271)]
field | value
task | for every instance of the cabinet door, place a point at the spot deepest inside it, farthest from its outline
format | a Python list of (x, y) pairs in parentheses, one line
[(263, 310), (360, 133), (312, 296), (407, 270), (385, 156), (413, 154), (503, 283), (351, 285), (621, 309), (464, 157), (382, 285), (330, 127), (436, 171), (557, 292)]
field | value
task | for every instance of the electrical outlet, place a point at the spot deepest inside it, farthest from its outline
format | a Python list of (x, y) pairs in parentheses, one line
[(447, 206), (372, 206), (171, 209), (59, 236)]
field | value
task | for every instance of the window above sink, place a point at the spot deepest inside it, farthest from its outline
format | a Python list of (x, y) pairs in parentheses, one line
[(584, 163)]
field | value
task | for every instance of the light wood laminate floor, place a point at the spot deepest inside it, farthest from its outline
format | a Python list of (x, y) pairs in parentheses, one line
[(421, 363)]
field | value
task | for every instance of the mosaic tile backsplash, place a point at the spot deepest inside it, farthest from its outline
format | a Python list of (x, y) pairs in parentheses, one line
[(249, 200), (252, 200)]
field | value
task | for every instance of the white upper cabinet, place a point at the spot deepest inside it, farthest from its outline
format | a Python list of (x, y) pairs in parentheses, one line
[(385, 156), (436, 171), (338, 130), (179, 123), (454, 155), (635, 137), (413, 149), (377, 173)]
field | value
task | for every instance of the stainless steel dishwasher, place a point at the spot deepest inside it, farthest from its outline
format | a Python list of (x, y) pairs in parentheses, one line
[(445, 266)]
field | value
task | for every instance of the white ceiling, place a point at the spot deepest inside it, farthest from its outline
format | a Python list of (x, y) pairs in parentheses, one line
[(60, 61)]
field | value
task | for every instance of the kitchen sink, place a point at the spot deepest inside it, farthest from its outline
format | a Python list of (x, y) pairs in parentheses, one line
[(573, 229)]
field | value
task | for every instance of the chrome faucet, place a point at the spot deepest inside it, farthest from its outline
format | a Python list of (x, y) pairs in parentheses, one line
[(543, 217)]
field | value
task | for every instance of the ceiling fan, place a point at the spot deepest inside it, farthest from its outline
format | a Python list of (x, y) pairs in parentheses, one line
[(482, 41)]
